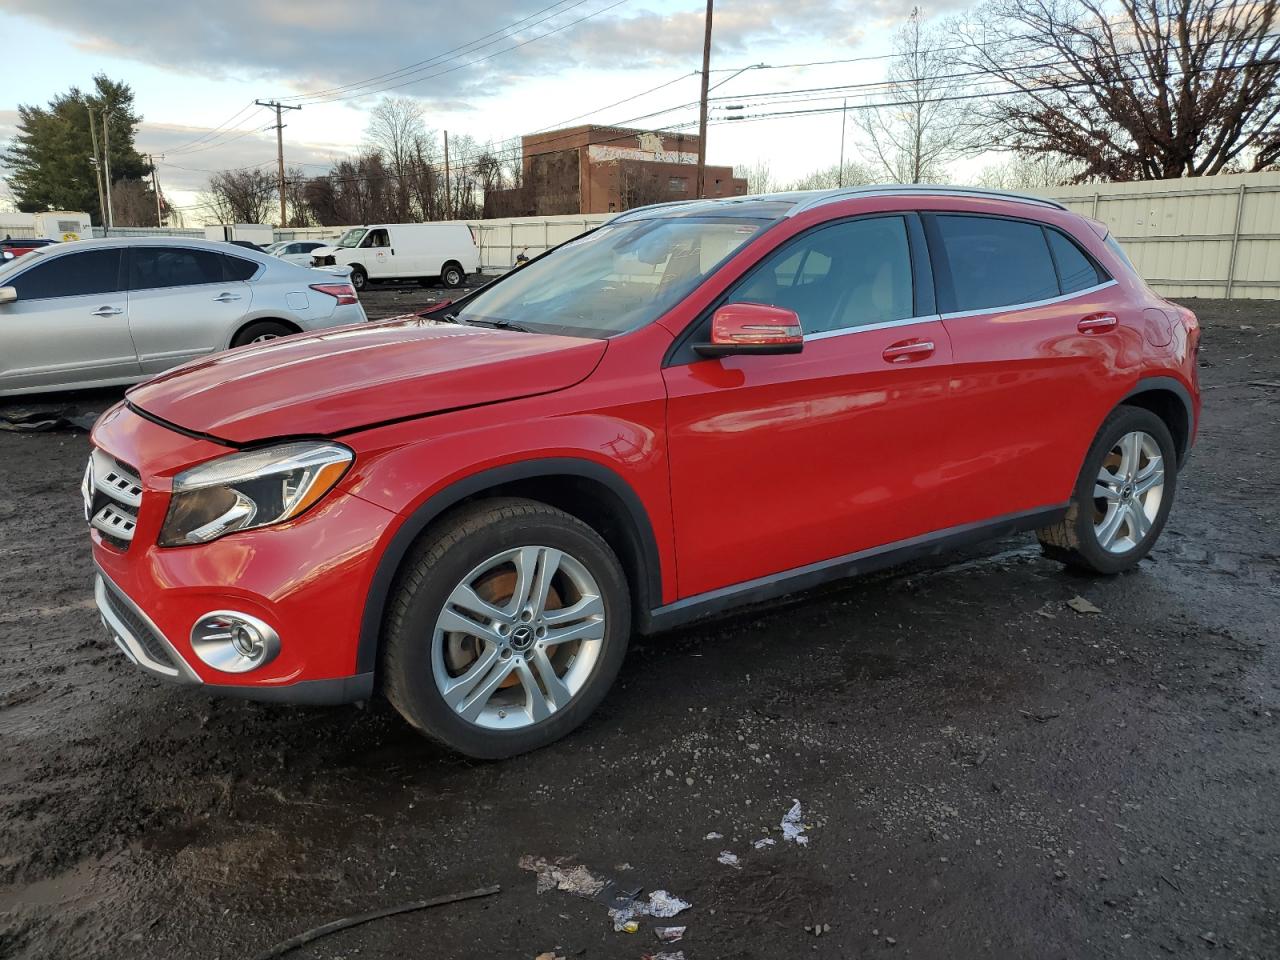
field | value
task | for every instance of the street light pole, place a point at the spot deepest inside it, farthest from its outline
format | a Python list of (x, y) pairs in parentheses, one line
[(844, 111), (97, 169), (106, 156), (702, 113)]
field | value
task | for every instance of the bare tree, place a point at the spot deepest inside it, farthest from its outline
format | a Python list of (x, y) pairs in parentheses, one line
[(916, 127), (242, 196), (395, 130), (759, 177), (133, 204), (1030, 172), (295, 198), (1137, 90), (830, 177)]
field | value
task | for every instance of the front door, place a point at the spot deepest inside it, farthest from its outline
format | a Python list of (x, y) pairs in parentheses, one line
[(778, 462), (69, 325)]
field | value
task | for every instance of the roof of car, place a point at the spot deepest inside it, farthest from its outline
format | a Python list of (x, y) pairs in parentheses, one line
[(791, 202)]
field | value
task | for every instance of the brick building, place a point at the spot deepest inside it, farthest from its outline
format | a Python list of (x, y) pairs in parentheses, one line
[(591, 169)]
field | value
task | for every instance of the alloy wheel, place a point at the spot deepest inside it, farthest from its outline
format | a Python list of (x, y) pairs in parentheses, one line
[(1128, 492), (518, 637)]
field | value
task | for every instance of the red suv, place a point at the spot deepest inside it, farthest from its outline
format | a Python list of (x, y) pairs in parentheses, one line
[(695, 406)]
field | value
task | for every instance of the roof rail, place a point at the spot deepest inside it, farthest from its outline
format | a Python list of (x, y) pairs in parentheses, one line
[(822, 197)]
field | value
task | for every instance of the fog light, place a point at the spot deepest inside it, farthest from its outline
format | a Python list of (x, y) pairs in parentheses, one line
[(234, 642)]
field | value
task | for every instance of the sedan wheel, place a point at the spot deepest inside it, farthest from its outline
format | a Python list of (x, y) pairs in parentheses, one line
[(518, 637)]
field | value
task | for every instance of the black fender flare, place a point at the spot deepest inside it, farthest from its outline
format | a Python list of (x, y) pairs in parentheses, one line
[(649, 589), (1148, 384)]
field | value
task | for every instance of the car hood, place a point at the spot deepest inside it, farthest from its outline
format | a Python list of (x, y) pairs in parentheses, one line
[(345, 378)]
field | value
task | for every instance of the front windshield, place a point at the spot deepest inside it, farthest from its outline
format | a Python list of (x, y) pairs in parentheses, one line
[(351, 238), (613, 280)]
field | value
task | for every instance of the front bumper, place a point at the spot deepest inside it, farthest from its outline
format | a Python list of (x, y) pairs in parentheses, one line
[(147, 648), (307, 580)]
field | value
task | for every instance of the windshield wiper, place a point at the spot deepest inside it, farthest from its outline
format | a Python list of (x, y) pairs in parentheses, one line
[(499, 324)]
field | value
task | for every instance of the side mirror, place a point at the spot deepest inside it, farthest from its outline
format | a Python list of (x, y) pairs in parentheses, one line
[(747, 328), (8, 294)]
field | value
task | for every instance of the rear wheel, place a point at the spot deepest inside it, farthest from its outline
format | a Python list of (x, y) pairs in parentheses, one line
[(359, 279), (452, 275), (1122, 497), (261, 331), (506, 628)]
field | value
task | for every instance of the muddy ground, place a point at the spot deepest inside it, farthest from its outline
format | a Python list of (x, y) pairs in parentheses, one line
[(984, 771)]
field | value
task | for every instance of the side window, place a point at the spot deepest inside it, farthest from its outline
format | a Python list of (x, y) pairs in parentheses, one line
[(376, 238), (1076, 271), (846, 275), (90, 273), (156, 267), (238, 268), (995, 262)]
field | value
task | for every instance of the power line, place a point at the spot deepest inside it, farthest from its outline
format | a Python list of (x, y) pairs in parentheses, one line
[(444, 56), (470, 63)]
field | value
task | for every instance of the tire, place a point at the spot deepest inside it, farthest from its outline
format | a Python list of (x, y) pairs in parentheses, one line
[(261, 331), (434, 675), (453, 275), (1109, 534), (359, 278)]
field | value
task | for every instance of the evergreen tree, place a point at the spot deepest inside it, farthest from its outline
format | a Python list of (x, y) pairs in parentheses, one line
[(49, 162)]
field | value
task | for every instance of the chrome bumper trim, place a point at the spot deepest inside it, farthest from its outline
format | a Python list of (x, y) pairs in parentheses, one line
[(129, 644)]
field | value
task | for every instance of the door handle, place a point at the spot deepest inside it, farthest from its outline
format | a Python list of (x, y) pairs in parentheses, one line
[(908, 350), (226, 297), (1097, 323), (107, 312)]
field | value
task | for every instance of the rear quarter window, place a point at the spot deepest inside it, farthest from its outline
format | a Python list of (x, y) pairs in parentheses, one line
[(1076, 269)]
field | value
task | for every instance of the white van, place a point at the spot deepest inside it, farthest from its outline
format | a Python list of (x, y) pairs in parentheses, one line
[(425, 252)]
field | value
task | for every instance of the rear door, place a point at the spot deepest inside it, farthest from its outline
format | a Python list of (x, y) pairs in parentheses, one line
[(778, 462), (183, 302), (69, 324), (1033, 324)]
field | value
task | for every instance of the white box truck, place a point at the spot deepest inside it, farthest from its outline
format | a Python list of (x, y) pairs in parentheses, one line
[(259, 234), (425, 252)]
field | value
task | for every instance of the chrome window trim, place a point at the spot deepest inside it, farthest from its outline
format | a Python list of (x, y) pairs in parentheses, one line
[(1061, 298), (127, 642), (865, 327)]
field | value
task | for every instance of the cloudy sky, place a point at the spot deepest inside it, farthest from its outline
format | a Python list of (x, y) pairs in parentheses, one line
[(493, 69)]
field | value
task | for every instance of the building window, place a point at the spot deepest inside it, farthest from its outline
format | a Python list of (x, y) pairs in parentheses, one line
[(678, 185)]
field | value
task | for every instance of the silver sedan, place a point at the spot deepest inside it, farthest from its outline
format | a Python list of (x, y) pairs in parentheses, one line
[(97, 313)]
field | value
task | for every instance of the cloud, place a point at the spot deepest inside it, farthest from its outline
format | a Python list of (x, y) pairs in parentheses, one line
[(293, 48)]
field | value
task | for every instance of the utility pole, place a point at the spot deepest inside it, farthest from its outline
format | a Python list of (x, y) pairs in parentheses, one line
[(277, 106), (97, 170), (844, 112), (702, 112), (448, 185), (155, 187), (106, 156)]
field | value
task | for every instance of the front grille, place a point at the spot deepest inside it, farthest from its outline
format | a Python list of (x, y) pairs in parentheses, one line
[(112, 498), (138, 627)]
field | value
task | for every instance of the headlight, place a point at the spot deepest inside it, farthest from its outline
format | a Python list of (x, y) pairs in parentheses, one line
[(257, 488)]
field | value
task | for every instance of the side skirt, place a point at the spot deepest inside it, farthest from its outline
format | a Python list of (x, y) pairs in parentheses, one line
[(853, 564)]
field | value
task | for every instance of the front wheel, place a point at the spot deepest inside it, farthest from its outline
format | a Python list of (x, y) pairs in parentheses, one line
[(506, 628), (359, 279), (1122, 497)]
